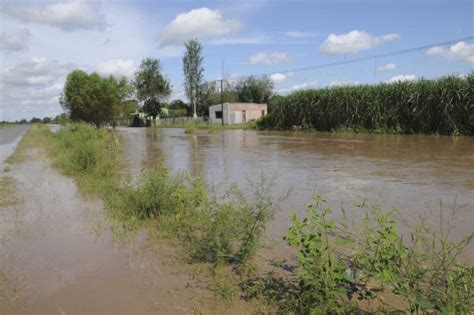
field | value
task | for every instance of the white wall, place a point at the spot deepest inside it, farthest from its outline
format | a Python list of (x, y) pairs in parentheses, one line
[(217, 108)]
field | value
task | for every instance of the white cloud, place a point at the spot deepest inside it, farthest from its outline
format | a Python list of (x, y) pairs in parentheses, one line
[(251, 40), (401, 78), (67, 16), (117, 67), (354, 42), (277, 77), (32, 87), (296, 87), (15, 41), (271, 59), (301, 35), (459, 51), (200, 23), (37, 71), (344, 83), (388, 67)]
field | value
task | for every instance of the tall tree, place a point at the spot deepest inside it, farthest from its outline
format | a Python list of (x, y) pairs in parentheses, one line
[(90, 98), (255, 90), (193, 72), (152, 86)]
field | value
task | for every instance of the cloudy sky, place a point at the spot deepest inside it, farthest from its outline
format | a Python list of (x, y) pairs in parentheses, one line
[(40, 42)]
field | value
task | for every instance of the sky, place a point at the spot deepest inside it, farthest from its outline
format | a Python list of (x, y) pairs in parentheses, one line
[(41, 42)]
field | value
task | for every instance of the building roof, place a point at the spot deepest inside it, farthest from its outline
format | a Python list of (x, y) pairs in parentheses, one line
[(232, 104)]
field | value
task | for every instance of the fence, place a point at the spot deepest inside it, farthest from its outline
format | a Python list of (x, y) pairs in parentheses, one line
[(182, 121)]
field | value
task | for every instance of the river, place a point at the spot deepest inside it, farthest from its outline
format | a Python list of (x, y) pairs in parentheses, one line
[(414, 173)]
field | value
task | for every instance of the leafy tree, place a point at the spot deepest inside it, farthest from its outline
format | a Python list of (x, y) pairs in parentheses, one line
[(193, 71), (91, 98), (46, 120), (210, 94), (152, 86), (35, 120), (254, 90), (179, 108)]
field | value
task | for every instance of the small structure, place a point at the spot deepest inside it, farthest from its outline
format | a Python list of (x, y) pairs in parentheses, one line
[(236, 113)]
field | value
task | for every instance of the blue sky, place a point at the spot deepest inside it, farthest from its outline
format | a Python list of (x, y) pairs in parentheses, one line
[(40, 42)]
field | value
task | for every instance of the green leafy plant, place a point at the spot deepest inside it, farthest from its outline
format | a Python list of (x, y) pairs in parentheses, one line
[(323, 281)]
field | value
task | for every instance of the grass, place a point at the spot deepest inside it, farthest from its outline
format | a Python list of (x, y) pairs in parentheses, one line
[(211, 127), (37, 136), (8, 192)]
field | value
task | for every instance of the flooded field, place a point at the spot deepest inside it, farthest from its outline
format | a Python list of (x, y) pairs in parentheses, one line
[(412, 173)]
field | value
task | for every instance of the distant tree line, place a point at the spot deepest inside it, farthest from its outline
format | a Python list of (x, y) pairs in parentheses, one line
[(35, 120), (102, 100)]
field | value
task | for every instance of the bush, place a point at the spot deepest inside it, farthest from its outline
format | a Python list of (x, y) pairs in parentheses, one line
[(337, 261)]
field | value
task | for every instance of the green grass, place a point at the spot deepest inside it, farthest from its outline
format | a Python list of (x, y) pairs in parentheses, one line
[(211, 127), (8, 195), (442, 106), (37, 136)]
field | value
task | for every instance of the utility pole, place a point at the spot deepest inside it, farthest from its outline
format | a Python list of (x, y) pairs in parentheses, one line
[(222, 101), (222, 91)]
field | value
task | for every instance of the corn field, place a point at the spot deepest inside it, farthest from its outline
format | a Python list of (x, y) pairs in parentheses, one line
[(442, 106)]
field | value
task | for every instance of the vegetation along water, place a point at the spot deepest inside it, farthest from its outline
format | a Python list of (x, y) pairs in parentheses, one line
[(340, 267), (441, 106)]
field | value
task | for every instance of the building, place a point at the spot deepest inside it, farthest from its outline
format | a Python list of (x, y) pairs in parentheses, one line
[(236, 113)]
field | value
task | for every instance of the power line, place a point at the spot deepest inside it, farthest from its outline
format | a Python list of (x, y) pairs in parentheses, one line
[(355, 60)]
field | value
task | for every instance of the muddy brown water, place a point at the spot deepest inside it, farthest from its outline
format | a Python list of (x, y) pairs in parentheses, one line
[(59, 256), (413, 173)]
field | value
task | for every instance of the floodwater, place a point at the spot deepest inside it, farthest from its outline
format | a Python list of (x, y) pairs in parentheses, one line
[(58, 255), (413, 173)]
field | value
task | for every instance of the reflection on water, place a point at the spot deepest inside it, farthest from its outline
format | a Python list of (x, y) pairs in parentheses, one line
[(412, 173)]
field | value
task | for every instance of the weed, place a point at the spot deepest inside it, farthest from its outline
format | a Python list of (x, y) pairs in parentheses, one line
[(8, 192)]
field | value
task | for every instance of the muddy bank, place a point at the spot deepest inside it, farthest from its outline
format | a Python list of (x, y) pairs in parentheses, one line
[(58, 256)]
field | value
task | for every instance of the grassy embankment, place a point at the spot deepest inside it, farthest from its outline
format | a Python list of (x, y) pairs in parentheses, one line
[(443, 106), (340, 268), (192, 127)]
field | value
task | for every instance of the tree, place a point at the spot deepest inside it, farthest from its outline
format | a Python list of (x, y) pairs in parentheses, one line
[(46, 120), (254, 90), (91, 98), (210, 94), (152, 86), (193, 72)]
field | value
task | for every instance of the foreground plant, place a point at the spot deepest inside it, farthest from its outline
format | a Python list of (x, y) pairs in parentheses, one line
[(340, 265)]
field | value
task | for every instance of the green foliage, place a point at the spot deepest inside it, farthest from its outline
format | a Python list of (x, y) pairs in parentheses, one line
[(91, 98), (226, 228), (254, 90), (178, 108), (193, 71), (152, 86), (86, 153), (210, 94), (336, 261), (323, 282), (443, 106)]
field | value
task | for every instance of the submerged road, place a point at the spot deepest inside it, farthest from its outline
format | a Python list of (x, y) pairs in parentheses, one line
[(9, 138)]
